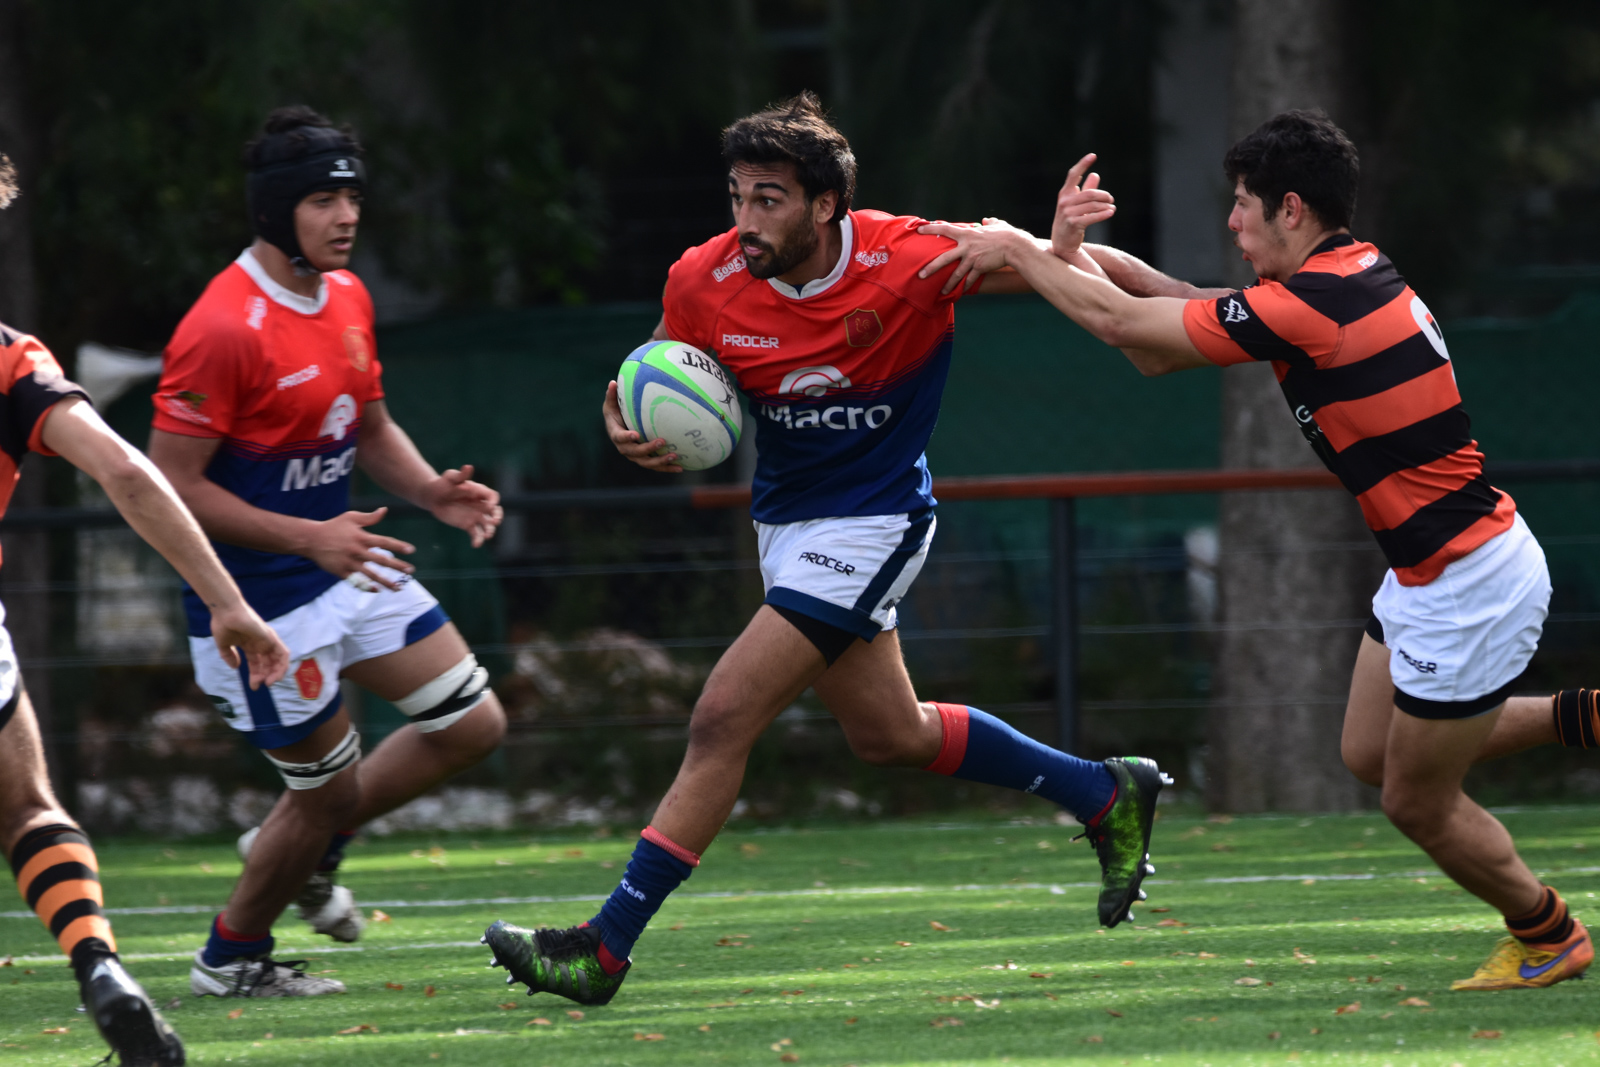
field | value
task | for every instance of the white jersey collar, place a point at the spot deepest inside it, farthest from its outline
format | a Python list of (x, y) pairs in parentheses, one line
[(305, 305), (819, 285)]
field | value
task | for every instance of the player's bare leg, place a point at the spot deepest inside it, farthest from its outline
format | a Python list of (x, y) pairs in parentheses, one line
[(760, 675), (51, 856), (869, 692), (1523, 723), (408, 762)]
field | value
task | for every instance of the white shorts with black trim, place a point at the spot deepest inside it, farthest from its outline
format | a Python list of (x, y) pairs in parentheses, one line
[(848, 572), (348, 623), (1458, 644)]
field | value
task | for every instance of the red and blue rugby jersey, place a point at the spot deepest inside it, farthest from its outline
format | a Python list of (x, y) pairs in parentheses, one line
[(282, 380), (1364, 367), (844, 378)]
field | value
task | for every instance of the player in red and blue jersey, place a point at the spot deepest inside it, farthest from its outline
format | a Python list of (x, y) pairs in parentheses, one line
[(842, 350), (270, 396)]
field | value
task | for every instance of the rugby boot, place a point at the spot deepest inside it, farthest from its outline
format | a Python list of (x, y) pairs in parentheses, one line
[(258, 976), (330, 908), (565, 962), (1121, 838), (1516, 965), (123, 1014)]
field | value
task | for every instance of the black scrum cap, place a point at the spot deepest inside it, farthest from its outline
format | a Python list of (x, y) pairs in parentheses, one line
[(289, 166)]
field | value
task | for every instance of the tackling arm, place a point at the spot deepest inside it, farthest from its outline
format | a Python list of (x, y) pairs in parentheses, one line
[(1133, 275), (75, 431)]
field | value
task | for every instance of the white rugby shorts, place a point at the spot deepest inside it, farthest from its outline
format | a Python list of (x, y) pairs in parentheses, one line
[(351, 621), (1458, 644), (848, 572)]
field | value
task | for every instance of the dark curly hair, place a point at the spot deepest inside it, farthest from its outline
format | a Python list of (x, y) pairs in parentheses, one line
[(267, 147), (8, 181), (1299, 152), (797, 131)]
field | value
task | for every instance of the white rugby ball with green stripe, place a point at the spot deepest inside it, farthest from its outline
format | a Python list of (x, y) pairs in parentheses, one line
[(676, 392)]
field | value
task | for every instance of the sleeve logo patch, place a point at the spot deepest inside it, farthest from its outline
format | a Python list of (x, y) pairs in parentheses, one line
[(255, 312), (355, 346), (1235, 310), (862, 327), (733, 266), (186, 406), (876, 258)]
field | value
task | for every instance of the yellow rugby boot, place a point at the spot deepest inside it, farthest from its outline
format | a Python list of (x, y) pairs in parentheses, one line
[(1514, 965)]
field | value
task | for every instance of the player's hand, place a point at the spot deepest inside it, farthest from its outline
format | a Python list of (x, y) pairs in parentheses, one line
[(239, 627), (456, 500), (978, 250), (628, 443), (1080, 204), (341, 545)]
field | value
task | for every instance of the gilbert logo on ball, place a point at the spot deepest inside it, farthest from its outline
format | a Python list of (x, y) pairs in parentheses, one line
[(676, 392)]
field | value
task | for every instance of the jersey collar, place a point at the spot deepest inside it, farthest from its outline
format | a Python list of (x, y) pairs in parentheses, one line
[(305, 305), (823, 284)]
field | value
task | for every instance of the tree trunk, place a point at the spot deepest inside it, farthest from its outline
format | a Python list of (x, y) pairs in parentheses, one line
[(26, 553), (1292, 563)]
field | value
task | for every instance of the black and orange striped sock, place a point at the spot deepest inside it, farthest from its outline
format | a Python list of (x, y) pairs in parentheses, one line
[(59, 877), (1577, 715), (1547, 924)]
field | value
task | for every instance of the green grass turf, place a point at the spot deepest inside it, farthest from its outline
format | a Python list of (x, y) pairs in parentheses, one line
[(1021, 976)]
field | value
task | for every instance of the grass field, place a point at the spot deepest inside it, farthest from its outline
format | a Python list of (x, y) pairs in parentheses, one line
[(895, 943)]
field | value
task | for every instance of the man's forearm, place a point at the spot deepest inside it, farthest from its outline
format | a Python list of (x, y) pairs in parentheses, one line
[(230, 519), (152, 507), (1136, 277), (392, 459)]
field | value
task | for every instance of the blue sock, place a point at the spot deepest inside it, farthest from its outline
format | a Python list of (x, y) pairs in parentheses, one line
[(980, 748), (652, 874), (335, 855), (225, 945)]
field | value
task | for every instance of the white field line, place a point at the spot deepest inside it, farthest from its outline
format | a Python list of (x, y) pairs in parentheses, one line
[(845, 891)]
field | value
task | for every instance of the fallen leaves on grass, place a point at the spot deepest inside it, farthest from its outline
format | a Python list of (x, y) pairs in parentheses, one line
[(428, 991), (731, 942), (508, 1007), (6, 962), (937, 925), (704, 1028), (1114, 1014), (1213, 955), (1171, 922), (1414, 1002), (904, 944), (649, 1037), (1247, 981), (1221, 847), (1158, 911), (1302, 956), (54, 1030), (782, 1043), (1094, 1039), (540, 1021), (789, 1057), (1041, 974), (725, 1004), (791, 992), (574, 1014), (1006, 966), (945, 1020), (235, 1013), (396, 986), (1488, 1035), (1348, 1009), (359, 1028), (1274, 1035), (380, 916), (1129, 963), (750, 849)]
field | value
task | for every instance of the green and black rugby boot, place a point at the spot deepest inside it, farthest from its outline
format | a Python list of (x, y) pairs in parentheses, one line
[(1122, 836), (565, 962)]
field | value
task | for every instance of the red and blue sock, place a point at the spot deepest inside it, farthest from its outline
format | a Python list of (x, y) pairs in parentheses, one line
[(980, 748), (225, 945), (657, 868)]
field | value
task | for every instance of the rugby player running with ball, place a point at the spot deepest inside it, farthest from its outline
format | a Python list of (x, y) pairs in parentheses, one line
[(842, 349), (1367, 375), (51, 858), (271, 395)]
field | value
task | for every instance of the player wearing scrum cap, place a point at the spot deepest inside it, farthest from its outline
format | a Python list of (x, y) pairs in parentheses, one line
[(843, 350), (270, 396), (1368, 377), (51, 858)]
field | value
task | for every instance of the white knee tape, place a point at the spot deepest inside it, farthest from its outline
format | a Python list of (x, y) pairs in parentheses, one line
[(448, 697), (314, 775)]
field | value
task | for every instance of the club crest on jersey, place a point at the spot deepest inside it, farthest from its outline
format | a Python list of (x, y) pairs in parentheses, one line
[(1235, 310), (308, 679), (341, 413), (355, 346), (862, 327), (813, 381)]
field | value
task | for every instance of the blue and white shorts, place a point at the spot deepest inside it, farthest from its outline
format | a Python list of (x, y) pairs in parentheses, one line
[(848, 572), (353, 620)]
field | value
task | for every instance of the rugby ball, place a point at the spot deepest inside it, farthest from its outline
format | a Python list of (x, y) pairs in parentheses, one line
[(676, 392)]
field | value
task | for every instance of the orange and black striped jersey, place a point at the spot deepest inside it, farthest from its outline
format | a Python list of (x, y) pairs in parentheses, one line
[(31, 383), (1364, 367)]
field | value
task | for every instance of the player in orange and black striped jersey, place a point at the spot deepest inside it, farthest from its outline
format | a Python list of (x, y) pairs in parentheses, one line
[(1367, 375), (53, 862)]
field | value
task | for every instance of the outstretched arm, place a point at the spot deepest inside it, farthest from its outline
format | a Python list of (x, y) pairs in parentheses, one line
[(386, 452), (74, 430), (1149, 330)]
